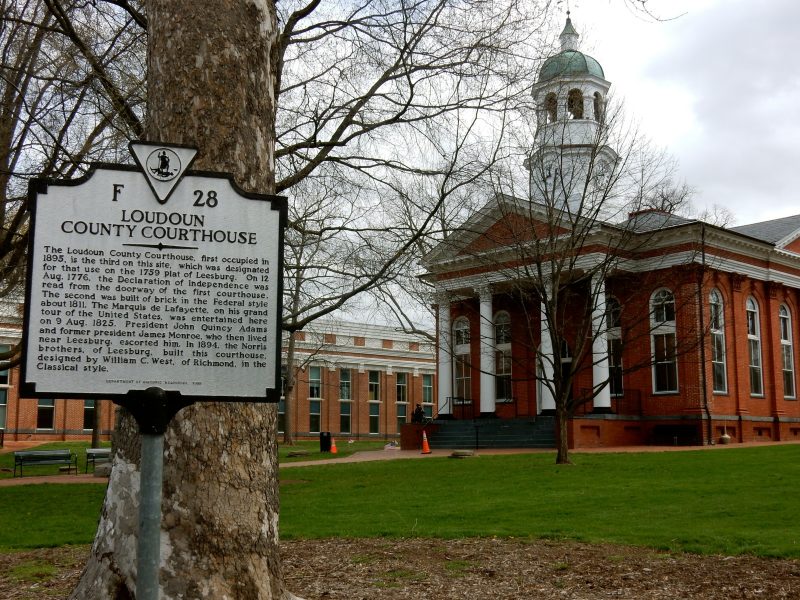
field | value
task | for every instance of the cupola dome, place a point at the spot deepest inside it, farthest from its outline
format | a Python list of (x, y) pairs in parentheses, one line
[(570, 61)]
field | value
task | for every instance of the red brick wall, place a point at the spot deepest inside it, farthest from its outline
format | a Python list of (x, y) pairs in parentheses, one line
[(359, 416), (21, 417)]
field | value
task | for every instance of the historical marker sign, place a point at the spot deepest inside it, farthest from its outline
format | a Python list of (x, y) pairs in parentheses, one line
[(153, 277)]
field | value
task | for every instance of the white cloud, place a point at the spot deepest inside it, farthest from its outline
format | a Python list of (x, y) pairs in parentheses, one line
[(718, 87)]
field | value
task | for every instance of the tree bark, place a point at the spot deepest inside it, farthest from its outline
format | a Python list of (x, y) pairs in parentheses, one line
[(210, 73), (562, 437)]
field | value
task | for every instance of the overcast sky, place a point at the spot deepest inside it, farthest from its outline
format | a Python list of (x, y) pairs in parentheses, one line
[(718, 87)]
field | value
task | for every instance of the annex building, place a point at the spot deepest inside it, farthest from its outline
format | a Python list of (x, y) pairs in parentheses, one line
[(353, 380), (43, 419), (644, 326), (359, 381)]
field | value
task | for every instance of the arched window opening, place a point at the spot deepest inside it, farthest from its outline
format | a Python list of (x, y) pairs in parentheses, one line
[(663, 340), (575, 104), (551, 107), (502, 366), (787, 352), (717, 330), (599, 109), (754, 348), (614, 338)]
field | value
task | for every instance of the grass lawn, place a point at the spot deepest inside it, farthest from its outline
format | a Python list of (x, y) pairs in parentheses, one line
[(47, 515), (732, 501)]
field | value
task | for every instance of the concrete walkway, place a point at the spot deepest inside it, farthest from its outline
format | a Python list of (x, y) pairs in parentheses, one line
[(387, 454)]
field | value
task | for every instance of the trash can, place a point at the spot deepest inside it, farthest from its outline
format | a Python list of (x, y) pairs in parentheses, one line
[(324, 441)]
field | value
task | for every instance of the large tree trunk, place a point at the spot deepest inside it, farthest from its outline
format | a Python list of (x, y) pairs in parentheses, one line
[(562, 436), (211, 85)]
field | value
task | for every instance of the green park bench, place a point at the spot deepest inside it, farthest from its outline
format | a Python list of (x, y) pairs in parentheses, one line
[(45, 457), (97, 455)]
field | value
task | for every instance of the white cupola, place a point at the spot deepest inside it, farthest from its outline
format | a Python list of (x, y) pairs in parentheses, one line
[(570, 95)]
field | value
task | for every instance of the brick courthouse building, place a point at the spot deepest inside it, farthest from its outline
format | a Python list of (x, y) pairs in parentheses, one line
[(693, 327)]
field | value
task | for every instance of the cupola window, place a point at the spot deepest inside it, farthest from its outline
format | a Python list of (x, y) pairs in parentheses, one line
[(575, 104), (598, 107), (551, 108)]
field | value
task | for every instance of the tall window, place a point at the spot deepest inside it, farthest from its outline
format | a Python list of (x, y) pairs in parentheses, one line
[(427, 394), (374, 386), (502, 365), (463, 378), (461, 332), (45, 413), (754, 348), (315, 382), (401, 395), (665, 365), (345, 385), (89, 406), (787, 354), (717, 329), (3, 392), (614, 337), (402, 418), (401, 387), (314, 415), (461, 348), (345, 410), (374, 417)]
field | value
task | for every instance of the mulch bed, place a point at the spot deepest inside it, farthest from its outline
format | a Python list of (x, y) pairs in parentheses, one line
[(421, 569)]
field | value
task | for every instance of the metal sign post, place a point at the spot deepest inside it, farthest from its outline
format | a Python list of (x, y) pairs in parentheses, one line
[(154, 286), (153, 410)]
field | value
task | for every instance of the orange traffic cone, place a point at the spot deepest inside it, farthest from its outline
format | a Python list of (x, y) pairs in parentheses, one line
[(426, 449), (333, 446)]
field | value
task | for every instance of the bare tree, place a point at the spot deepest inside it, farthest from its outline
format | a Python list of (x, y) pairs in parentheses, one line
[(55, 114), (356, 92)]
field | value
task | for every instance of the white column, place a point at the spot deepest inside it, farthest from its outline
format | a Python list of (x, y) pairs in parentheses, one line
[(548, 361), (445, 375), (600, 372), (487, 351)]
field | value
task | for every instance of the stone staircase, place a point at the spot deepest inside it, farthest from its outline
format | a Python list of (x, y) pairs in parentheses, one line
[(534, 432)]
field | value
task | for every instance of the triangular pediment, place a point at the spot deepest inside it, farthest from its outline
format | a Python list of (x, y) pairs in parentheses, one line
[(503, 222), (510, 230)]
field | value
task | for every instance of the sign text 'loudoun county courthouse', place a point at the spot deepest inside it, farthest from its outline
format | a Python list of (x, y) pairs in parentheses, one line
[(129, 291)]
